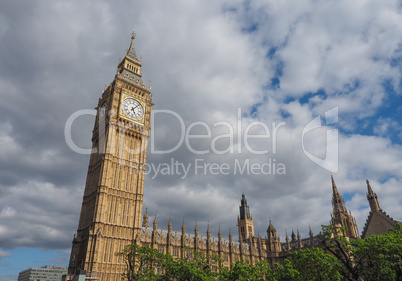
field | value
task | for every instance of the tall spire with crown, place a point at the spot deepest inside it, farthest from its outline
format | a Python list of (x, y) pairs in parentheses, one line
[(341, 218), (372, 198), (130, 68)]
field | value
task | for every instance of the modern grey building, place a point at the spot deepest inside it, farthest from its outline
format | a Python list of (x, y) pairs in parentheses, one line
[(44, 273)]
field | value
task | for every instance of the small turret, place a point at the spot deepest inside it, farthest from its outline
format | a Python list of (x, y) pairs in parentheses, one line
[(155, 223), (299, 239), (196, 229), (170, 225), (311, 238), (287, 242), (183, 228), (271, 231), (145, 220)]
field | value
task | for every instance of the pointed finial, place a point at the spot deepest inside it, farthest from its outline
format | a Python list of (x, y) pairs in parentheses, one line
[(370, 191), (133, 35), (333, 184), (155, 222)]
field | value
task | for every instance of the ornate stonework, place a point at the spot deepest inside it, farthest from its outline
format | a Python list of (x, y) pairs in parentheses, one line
[(112, 204)]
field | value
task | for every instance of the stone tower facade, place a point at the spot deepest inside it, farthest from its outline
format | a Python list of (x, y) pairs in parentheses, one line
[(111, 209), (245, 221)]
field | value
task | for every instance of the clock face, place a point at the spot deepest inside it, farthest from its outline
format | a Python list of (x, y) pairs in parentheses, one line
[(102, 110), (133, 109)]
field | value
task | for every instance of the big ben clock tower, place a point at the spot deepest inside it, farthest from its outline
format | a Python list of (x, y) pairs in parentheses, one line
[(112, 203)]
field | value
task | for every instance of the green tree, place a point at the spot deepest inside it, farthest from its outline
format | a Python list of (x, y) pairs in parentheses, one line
[(141, 262), (145, 263), (377, 257), (286, 272), (315, 264), (243, 270), (197, 267)]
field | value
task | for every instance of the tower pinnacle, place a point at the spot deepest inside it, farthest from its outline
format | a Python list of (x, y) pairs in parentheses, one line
[(244, 208), (155, 223), (145, 221), (131, 53), (337, 201), (372, 198), (341, 218)]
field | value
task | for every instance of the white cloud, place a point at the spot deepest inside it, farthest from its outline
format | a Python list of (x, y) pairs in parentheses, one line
[(205, 61), (4, 254)]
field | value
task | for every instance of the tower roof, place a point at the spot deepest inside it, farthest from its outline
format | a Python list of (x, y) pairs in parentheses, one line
[(130, 68), (244, 208), (131, 53), (271, 228)]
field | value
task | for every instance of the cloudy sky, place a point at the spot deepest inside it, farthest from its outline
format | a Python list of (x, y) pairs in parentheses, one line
[(226, 70)]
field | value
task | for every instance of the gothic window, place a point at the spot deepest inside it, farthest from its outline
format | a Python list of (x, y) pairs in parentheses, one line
[(175, 252)]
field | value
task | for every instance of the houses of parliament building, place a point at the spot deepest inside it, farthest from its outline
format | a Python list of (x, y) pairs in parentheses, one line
[(112, 207)]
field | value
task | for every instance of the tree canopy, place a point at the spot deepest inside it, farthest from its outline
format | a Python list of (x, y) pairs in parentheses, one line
[(377, 257)]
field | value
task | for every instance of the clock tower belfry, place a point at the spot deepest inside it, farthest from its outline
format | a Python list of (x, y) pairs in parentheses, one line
[(111, 209)]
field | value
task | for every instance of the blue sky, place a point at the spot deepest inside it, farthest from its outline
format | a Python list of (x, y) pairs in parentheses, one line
[(273, 61)]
